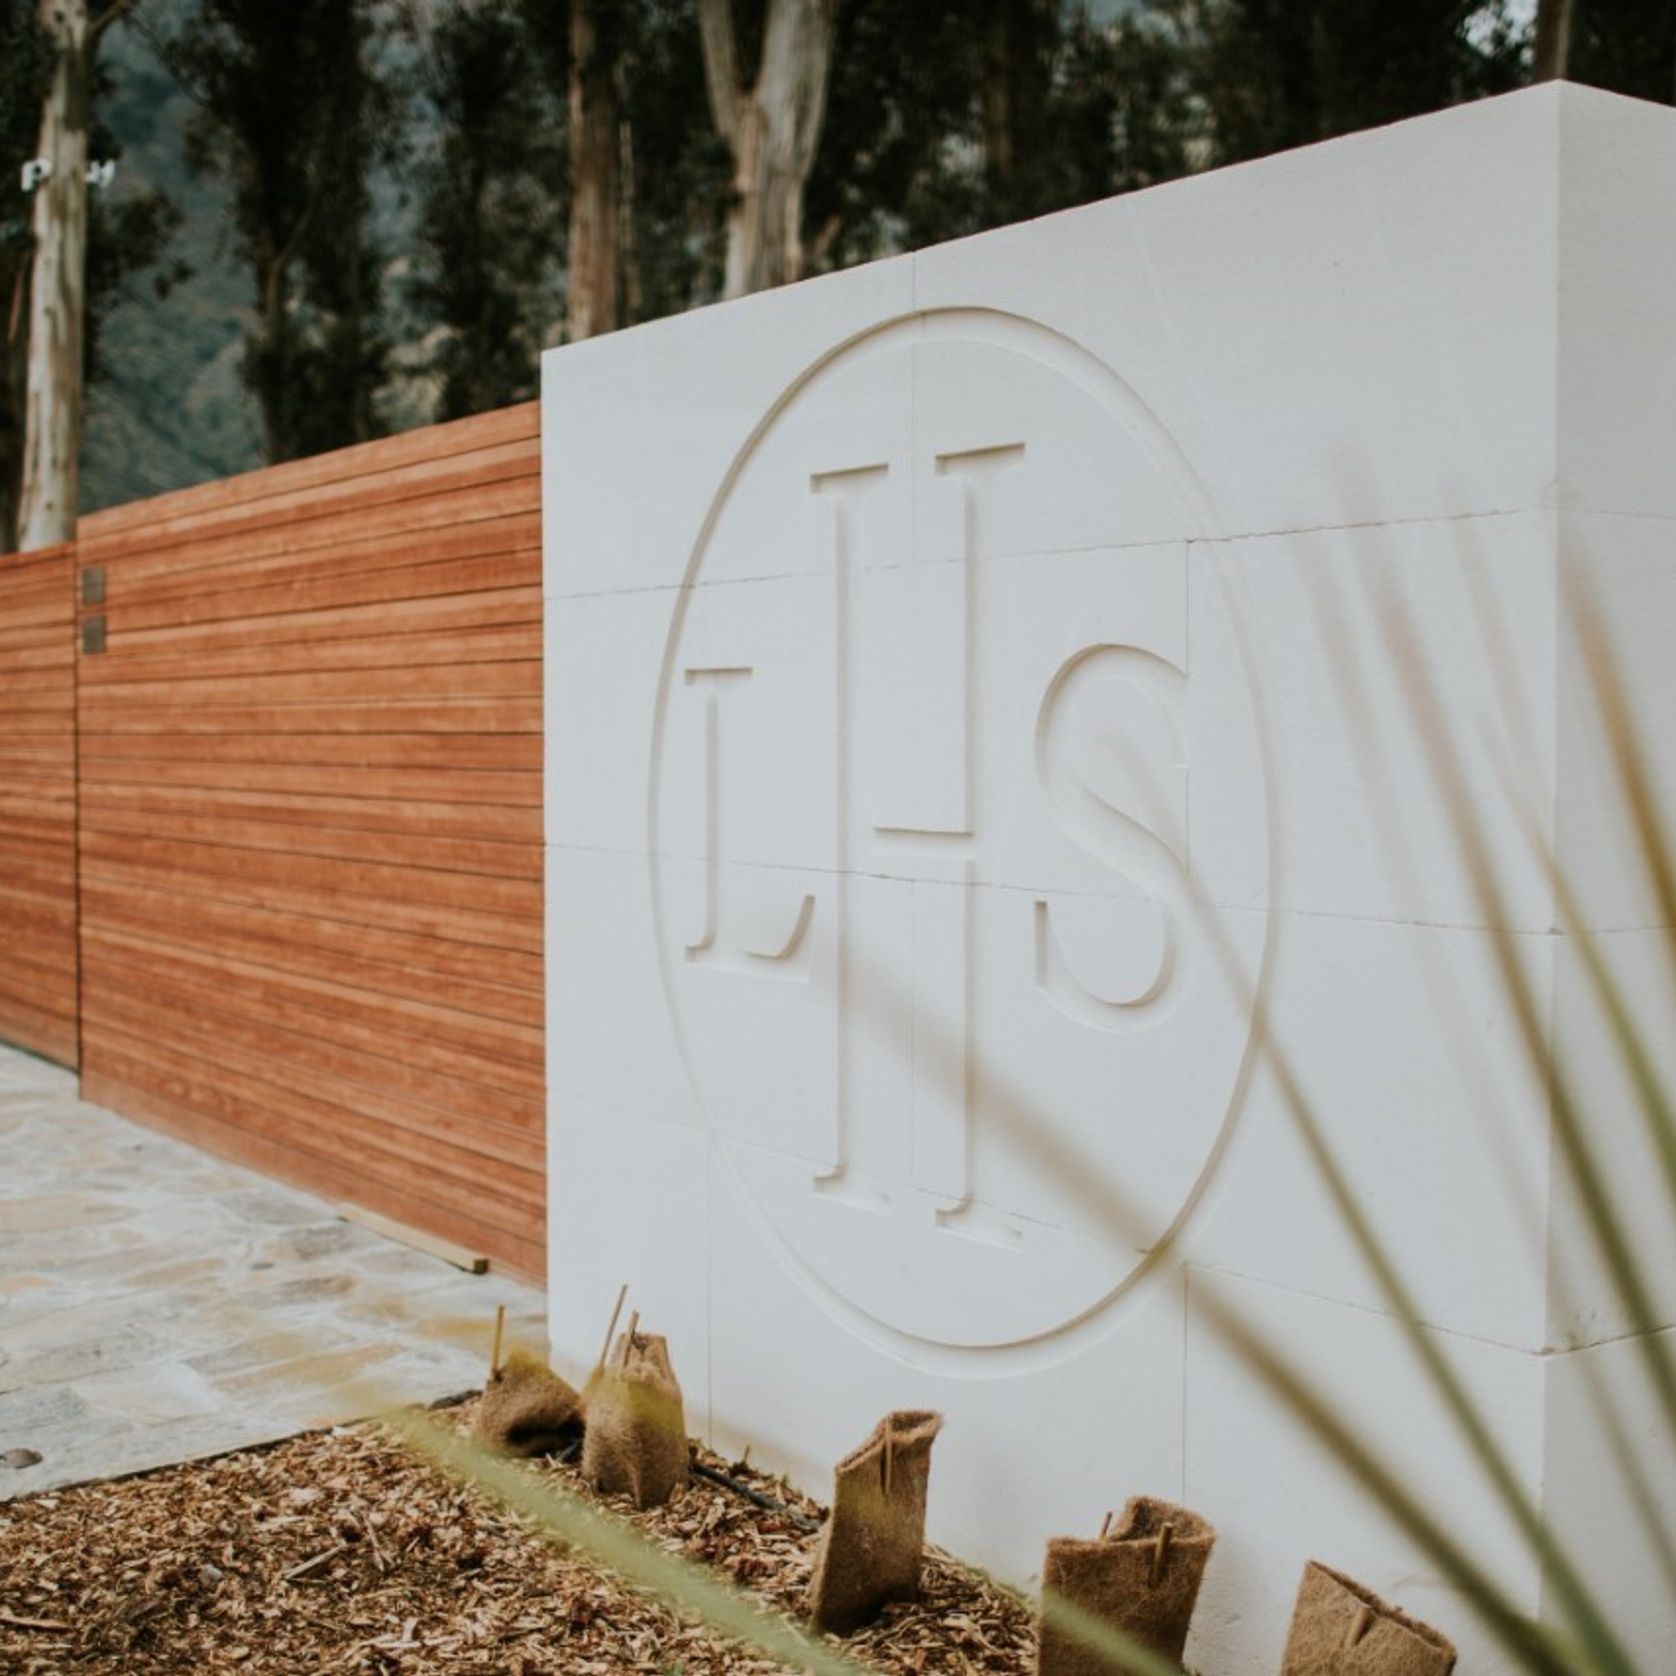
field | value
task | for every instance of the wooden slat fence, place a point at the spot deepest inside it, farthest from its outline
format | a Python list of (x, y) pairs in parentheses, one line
[(310, 825), (38, 802)]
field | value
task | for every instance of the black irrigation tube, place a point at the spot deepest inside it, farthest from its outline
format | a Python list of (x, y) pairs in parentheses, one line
[(726, 1481)]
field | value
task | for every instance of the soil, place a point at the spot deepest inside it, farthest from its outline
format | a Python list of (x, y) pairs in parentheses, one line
[(339, 1551)]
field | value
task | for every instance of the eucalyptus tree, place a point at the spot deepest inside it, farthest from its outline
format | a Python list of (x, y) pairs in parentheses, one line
[(770, 117), (490, 182), (54, 363), (295, 108), (25, 66)]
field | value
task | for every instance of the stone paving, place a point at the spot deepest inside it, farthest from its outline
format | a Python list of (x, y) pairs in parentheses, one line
[(158, 1305)]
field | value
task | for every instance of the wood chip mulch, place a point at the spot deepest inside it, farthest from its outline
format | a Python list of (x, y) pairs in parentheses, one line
[(340, 1551)]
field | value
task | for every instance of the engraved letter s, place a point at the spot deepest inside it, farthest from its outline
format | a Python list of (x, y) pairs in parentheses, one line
[(1119, 839)]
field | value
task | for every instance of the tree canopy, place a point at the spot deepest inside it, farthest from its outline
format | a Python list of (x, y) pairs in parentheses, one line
[(405, 180)]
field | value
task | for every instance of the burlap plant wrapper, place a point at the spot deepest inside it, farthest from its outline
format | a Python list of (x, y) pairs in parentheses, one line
[(1341, 1629), (636, 1440), (1141, 1578), (870, 1549), (527, 1409)]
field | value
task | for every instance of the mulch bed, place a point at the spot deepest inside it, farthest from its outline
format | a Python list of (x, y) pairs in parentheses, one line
[(340, 1551)]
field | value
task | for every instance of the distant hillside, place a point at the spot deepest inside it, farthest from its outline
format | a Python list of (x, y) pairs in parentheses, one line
[(170, 408)]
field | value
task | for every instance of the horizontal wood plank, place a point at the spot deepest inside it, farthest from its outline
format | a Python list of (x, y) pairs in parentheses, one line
[(492, 935), (272, 1005), (404, 715), (389, 534), (377, 683), (485, 557), (192, 535), (38, 802), (310, 848), (117, 803), (521, 423), (360, 654), (268, 782), (308, 942), (497, 752), (492, 606), (510, 1237), (449, 1134)]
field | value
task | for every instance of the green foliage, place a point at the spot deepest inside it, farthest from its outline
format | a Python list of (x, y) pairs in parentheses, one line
[(166, 405), (943, 120), (428, 170), (898, 165), (492, 188), (128, 236), (1273, 74), (680, 167), (675, 168), (127, 241), (25, 66), (293, 115), (491, 174), (1628, 46)]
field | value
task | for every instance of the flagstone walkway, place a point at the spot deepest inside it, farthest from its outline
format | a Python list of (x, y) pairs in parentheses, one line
[(158, 1305)]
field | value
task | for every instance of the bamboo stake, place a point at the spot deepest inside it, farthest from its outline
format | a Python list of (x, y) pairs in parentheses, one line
[(605, 1349), (1161, 1553)]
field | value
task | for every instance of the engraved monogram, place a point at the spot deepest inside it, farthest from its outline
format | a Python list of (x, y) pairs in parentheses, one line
[(920, 828)]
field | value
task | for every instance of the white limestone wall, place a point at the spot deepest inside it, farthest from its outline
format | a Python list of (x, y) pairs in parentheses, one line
[(928, 645)]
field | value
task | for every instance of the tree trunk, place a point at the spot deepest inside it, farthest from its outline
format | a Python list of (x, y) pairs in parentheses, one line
[(1553, 40), (634, 295), (53, 391), (13, 355), (595, 147), (771, 130), (999, 69), (271, 354)]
